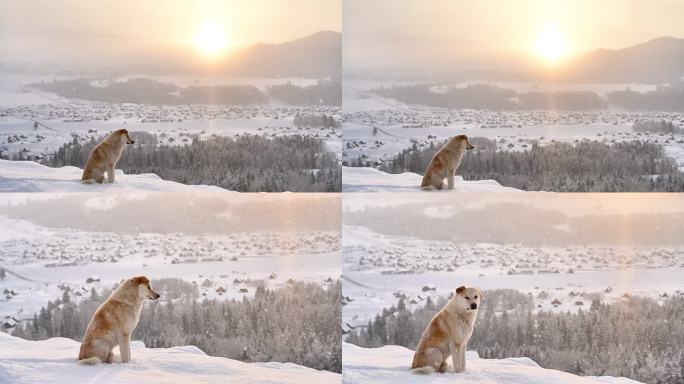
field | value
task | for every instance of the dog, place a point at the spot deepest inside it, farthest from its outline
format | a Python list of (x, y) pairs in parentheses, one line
[(445, 163), (448, 334), (114, 321), (104, 157)]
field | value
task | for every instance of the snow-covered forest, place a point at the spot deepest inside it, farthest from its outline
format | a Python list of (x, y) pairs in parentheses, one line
[(151, 91), (246, 163), (584, 166), (639, 338), (298, 323), (485, 96)]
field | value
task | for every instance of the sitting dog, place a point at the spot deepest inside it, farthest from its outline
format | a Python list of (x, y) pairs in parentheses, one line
[(114, 322), (445, 163), (448, 334), (104, 157)]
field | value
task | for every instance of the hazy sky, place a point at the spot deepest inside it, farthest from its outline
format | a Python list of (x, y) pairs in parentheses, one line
[(379, 32), (49, 29)]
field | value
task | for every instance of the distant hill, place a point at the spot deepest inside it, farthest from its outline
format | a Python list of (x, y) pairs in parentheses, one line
[(656, 61), (315, 56)]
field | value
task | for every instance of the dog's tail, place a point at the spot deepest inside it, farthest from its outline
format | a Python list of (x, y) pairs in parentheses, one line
[(426, 370), (88, 181), (428, 188), (90, 361)]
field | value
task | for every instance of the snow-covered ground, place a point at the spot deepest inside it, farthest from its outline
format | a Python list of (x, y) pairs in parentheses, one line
[(366, 179), (408, 246), (391, 364), (221, 242), (54, 361), (377, 128), (62, 120), (29, 176)]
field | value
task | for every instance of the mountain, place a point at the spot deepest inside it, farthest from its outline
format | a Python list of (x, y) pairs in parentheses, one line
[(390, 364), (315, 56), (54, 361), (656, 61)]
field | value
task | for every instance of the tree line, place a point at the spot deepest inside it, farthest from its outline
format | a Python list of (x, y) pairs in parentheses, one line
[(247, 163), (150, 91), (586, 166), (298, 323), (484, 96), (636, 337)]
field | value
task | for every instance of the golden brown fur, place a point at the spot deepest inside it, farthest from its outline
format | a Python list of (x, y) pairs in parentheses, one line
[(445, 163), (104, 157), (448, 334), (114, 322)]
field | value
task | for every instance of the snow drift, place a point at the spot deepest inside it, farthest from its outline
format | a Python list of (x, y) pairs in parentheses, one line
[(54, 361), (29, 176), (367, 179), (390, 364)]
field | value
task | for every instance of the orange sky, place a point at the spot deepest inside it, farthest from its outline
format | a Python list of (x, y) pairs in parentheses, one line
[(401, 30), (35, 29)]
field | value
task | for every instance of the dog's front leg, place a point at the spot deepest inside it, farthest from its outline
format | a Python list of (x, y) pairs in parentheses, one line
[(455, 357), (110, 174), (125, 347), (462, 352), (450, 179)]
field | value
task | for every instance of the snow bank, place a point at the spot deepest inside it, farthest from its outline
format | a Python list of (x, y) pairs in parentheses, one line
[(54, 361), (367, 179), (390, 364), (29, 176)]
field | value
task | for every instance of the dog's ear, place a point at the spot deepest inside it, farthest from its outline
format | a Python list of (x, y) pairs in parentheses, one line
[(460, 289), (140, 280)]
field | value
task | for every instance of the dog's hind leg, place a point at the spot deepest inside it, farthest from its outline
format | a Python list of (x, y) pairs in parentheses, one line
[(435, 359), (110, 357), (97, 175), (96, 351)]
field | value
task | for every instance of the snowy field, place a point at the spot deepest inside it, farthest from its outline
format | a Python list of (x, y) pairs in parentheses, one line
[(63, 120), (390, 364), (50, 243), (54, 361), (578, 247), (366, 179), (28, 176), (377, 128)]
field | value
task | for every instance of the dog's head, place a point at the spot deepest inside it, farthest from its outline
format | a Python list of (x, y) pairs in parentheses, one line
[(124, 136), (468, 299), (463, 140), (144, 288)]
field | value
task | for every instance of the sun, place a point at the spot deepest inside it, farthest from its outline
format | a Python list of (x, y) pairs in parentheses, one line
[(211, 39), (551, 44)]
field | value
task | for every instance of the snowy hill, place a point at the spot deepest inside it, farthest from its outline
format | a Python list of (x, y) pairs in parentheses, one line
[(28, 176), (54, 361), (390, 364), (366, 179)]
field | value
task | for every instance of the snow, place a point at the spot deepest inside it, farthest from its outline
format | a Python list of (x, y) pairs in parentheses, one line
[(216, 240), (385, 256), (366, 179), (54, 361), (29, 176), (391, 364), (378, 128)]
